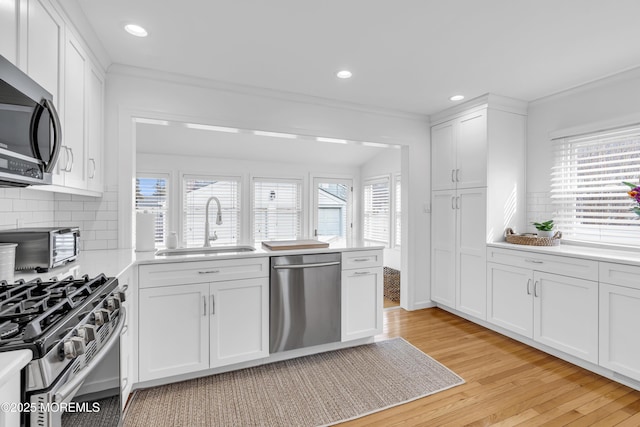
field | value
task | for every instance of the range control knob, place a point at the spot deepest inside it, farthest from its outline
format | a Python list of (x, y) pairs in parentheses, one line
[(101, 316), (87, 333), (73, 347), (120, 295), (112, 303)]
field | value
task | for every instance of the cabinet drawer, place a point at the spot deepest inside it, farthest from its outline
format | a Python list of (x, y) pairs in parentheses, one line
[(556, 264), (202, 271), (620, 274), (361, 259)]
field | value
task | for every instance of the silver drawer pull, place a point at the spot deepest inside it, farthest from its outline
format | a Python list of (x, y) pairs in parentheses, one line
[(124, 330), (362, 273), (361, 259), (535, 261), (209, 272)]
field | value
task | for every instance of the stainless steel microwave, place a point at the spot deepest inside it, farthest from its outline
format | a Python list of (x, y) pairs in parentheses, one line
[(30, 132), (43, 248)]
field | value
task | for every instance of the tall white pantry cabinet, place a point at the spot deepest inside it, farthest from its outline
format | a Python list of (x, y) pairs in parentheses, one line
[(477, 183)]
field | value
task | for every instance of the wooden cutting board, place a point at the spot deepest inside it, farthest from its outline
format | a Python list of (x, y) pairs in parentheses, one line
[(283, 245)]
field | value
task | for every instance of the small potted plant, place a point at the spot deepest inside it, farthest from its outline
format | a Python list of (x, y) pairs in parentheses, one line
[(634, 193), (545, 229)]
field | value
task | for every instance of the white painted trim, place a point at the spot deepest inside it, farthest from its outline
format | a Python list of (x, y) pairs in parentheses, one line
[(149, 74), (600, 126)]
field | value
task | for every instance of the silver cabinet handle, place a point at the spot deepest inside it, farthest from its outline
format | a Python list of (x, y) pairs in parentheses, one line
[(529, 287), (362, 273), (72, 158), (124, 330), (534, 261), (458, 202), (93, 171), (125, 287), (361, 259), (204, 305), (453, 171), (453, 202), (213, 304), (457, 175), (209, 272), (66, 167), (535, 289)]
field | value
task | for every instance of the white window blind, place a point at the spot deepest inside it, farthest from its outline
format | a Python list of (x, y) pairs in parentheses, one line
[(376, 211), (277, 209), (586, 186), (152, 196), (196, 191), (398, 210)]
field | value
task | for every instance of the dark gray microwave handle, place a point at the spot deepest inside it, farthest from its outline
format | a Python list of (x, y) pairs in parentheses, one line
[(57, 135)]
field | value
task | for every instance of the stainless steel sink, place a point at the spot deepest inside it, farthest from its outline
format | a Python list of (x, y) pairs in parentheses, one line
[(205, 251)]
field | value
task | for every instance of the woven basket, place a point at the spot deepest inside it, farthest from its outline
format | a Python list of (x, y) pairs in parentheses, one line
[(532, 239), (391, 284)]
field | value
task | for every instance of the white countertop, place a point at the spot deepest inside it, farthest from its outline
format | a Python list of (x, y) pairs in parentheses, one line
[(113, 262), (631, 257), (11, 362)]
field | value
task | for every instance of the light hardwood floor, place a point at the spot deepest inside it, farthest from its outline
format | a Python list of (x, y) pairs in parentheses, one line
[(507, 383)]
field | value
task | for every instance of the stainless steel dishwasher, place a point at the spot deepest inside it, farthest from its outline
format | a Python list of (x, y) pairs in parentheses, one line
[(304, 300)]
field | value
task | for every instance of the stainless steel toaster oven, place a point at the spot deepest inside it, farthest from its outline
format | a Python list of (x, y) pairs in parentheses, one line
[(43, 248)]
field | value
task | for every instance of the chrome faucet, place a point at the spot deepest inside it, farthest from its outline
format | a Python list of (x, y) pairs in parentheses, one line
[(207, 234)]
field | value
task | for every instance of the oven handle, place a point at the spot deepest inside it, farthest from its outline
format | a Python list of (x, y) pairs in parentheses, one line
[(73, 385)]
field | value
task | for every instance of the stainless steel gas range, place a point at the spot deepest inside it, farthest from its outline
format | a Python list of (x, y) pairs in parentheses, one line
[(69, 325)]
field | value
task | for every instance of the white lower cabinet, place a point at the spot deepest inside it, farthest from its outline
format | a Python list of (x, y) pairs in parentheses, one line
[(362, 294), (619, 319), (178, 312), (362, 303), (555, 310), (211, 325)]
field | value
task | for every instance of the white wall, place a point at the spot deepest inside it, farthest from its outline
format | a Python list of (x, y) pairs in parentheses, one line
[(613, 101), (388, 163), (140, 93)]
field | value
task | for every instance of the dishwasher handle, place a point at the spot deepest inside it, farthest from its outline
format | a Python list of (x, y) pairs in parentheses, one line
[(298, 266)]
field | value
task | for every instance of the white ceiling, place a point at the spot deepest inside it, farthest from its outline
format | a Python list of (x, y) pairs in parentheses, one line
[(176, 139), (407, 55)]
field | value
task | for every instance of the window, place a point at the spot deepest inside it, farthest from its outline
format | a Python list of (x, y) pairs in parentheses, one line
[(196, 191), (332, 206), (277, 209), (151, 195), (376, 211), (398, 210), (586, 186)]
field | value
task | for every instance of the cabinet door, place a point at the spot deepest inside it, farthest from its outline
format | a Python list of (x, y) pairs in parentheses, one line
[(566, 314), (74, 113), (95, 97), (471, 252), (361, 303), (173, 331), (443, 161), (45, 34), (9, 30), (471, 151), (443, 229), (619, 320), (239, 316), (509, 298)]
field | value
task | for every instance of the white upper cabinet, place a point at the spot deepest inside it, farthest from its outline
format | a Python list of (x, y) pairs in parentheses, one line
[(9, 30), (95, 130), (74, 121), (460, 147), (44, 43)]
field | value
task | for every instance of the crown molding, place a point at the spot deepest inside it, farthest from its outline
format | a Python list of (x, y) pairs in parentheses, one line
[(148, 73), (488, 100)]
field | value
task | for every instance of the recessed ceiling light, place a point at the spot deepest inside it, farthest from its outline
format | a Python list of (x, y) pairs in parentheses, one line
[(344, 74), (456, 98), (136, 30)]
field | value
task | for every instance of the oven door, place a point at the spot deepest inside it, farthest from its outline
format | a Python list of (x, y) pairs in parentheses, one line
[(84, 397)]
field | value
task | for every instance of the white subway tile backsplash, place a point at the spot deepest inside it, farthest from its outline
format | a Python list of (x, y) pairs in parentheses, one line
[(97, 218)]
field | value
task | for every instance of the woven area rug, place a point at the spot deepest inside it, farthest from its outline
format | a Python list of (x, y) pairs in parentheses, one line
[(321, 389)]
